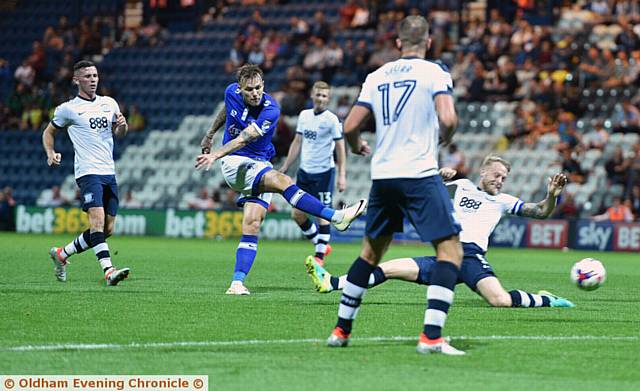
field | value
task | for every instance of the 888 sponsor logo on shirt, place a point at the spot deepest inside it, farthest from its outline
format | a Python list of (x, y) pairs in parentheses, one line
[(469, 203), (310, 134)]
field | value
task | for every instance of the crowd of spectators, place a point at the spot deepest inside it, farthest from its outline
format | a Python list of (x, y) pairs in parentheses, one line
[(42, 81)]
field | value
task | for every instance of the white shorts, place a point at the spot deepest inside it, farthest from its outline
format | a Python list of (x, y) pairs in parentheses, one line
[(243, 175)]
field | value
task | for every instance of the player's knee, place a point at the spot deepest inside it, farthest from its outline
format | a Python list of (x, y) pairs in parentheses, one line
[(252, 226)]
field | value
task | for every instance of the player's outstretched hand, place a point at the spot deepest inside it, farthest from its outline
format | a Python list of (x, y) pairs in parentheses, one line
[(447, 173), (205, 161), (363, 149), (54, 159), (556, 184)]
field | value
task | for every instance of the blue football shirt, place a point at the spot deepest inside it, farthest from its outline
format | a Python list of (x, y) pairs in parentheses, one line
[(240, 115)]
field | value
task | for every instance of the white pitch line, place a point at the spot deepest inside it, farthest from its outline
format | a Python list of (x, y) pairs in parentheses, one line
[(152, 345)]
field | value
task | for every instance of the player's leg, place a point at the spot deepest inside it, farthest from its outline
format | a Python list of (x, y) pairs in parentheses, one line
[(110, 201), (309, 229), (383, 219), (273, 181), (356, 286), (428, 208), (324, 190), (60, 255), (254, 212), (493, 292), (405, 269)]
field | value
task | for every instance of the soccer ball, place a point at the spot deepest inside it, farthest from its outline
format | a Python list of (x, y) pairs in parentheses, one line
[(588, 274)]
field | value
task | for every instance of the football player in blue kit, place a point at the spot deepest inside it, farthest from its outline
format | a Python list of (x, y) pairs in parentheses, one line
[(479, 208), (250, 118)]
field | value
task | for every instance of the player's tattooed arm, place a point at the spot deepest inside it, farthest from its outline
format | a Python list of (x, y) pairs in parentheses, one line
[(544, 208), (248, 135), (218, 122)]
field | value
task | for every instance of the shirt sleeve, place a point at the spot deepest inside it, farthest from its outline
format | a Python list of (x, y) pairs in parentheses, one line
[(337, 129), (442, 84), (511, 205), (364, 99), (267, 120), (60, 118), (299, 124)]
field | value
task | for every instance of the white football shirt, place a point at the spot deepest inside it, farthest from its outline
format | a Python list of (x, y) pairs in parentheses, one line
[(89, 124), (479, 212), (319, 134), (400, 95)]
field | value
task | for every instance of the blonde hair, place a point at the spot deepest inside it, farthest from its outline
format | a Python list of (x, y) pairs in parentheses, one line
[(321, 85), (490, 159)]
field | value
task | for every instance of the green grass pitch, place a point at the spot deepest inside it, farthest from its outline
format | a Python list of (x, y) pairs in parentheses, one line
[(172, 317)]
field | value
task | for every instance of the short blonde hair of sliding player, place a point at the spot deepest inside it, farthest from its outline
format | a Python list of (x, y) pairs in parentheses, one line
[(490, 159)]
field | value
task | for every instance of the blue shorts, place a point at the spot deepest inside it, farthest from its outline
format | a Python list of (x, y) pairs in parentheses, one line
[(319, 185), (425, 202), (99, 191), (474, 267)]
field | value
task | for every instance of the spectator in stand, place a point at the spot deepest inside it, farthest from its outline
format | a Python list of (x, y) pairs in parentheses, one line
[(152, 34), (315, 60), (597, 139), (476, 91), (237, 55), (385, 52), (18, 101), (592, 68), (255, 55), (299, 30), (627, 117), (256, 21), (25, 73), (135, 119), (347, 12), (270, 47), (334, 58), (7, 206), (52, 198), (319, 27), (567, 208), (343, 107), (361, 17), (504, 82), (569, 138), (38, 59), (616, 213), (128, 202), (572, 168), (202, 201), (618, 167)]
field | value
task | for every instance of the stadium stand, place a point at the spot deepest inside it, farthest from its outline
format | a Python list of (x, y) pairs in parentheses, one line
[(530, 83)]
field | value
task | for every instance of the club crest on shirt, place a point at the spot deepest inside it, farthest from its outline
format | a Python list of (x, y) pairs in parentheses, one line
[(105, 107)]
